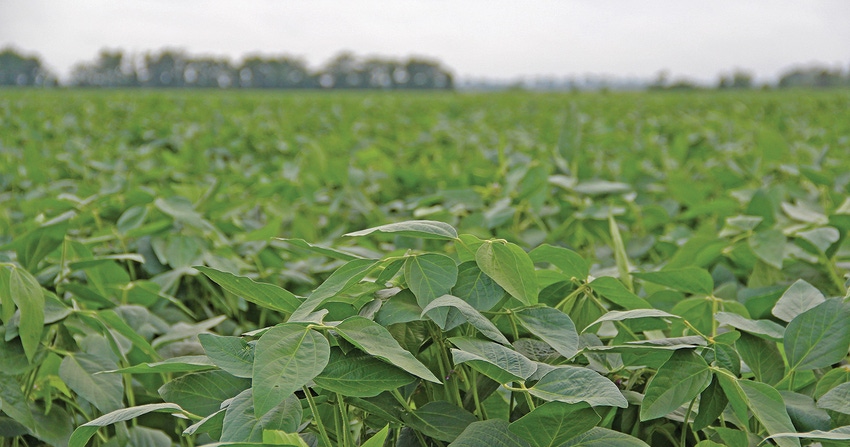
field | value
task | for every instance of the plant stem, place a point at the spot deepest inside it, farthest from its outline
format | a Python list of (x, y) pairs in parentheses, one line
[(685, 423), (316, 418), (345, 425), (407, 408)]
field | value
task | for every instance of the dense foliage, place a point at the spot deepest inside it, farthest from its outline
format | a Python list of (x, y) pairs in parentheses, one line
[(558, 270)]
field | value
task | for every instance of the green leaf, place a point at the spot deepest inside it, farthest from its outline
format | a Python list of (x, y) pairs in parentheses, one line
[(430, 276), (838, 434), (571, 384), (265, 295), (614, 291), (14, 403), (493, 360), (187, 363), (617, 315), (426, 229), (232, 354), (358, 374), (552, 326), (510, 267), (104, 391), (712, 402), (202, 393), (621, 258), (29, 297), (376, 340), (480, 322), (763, 358), (377, 440), (241, 423), (687, 279), (489, 433), (684, 376), (131, 218), (768, 407), (279, 437), (341, 279), (570, 263), (761, 328), (84, 432), (769, 246), (805, 415), (800, 297), (40, 242), (603, 437), (819, 336), (476, 288), (836, 399), (553, 423), (318, 249), (399, 308), (439, 420), (287, 357)]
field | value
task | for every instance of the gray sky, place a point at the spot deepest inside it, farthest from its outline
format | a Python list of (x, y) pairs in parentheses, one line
[(476, 38)]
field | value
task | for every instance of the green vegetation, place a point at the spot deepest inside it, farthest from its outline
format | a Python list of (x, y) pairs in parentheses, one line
[(663, 269)]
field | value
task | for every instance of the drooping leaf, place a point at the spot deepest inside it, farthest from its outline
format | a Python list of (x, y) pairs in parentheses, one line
[(712, 402), (553, 423), (800, 297), (430, 276), (480, 322), (762, 328), (186, 363), (571, 384), (265, 295), (838, 434), (819, 336), (570, 263), (105, 391), (618, 315), (241, 423), (439, 420), (232, 354), (84, 432), (287, 357), (493, 360), (684, 376), (27, 294), (768, 407), (603, 437), (476, 288), (358, 374), (687, 279), (202, 393), (769, 246), (552, 326), (763, 358), (511, 268), (426, 229), (621, 257), (489, 433), (341, 279), (836, 399), (376, 340), (614, 291), (804, 413), (318, 249)]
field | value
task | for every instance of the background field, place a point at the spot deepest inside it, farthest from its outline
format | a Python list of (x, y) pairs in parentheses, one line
[(109, 198)]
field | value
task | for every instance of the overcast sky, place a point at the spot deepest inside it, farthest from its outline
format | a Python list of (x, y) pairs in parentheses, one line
[(475, 38)]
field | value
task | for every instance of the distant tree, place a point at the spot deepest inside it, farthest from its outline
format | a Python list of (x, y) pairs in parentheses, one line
[(739, 79), (166, 69), (111, 69), (17, 69), (821, 77), (280, 72)]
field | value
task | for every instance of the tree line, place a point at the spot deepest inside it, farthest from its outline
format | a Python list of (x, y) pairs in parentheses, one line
[(177, 69)]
